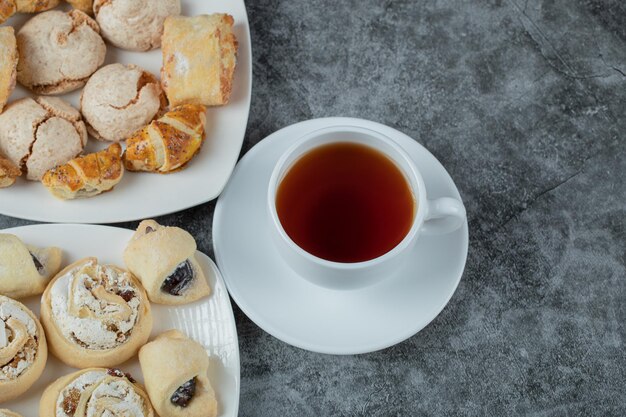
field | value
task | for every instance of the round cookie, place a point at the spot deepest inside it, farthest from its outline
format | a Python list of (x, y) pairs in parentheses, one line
[(95, 315), (59, 51), (23, 350), (136, 25), (95, 392), (119, 100), (40, 134)]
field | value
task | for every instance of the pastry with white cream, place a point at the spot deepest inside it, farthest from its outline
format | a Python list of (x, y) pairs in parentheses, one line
[(95, 314), (95, 392), (23, 351)]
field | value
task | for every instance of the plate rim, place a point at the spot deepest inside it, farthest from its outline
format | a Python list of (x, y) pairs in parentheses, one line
[(270, 328), (104, 219), (212, 264)]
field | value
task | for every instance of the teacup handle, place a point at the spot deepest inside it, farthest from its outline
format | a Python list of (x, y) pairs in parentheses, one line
[(443, 215)]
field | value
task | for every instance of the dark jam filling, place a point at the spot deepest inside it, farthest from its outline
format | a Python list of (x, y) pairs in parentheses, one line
[(38, 264), (184, 394), (179, 280)]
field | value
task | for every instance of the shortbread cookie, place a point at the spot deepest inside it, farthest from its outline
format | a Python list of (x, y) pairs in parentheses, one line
[(8, 64), (26, 270), (37, 135), (164, 259), (136, 25), (199, 57), (178, 386), (95, 392), (95, 315), (23, 351), (120, 99), (59, 51)]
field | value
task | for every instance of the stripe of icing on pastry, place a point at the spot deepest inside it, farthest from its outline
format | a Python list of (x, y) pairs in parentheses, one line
[(96, 394), (88, 307), (18, 344)]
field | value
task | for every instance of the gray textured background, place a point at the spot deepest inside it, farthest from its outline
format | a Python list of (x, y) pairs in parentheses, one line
[(524, 102)]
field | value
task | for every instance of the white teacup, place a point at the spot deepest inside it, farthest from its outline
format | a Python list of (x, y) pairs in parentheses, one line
[(438, 216)]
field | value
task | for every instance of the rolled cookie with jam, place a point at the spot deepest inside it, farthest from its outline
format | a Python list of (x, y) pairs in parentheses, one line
[(179, 386), (95, 392), (25, 270), (95, 315), (23, 350), (164, 259)]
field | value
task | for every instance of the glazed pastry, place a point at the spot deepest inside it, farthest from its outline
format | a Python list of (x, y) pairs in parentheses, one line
[(8, 64), (95, 392), (59, 51), (86, 176), (95, 315), (8, 413), (168, 144), (199, 58), (8, 172), (37, 135), (85, 6), (25, 270), (119, 100), (178, 386), (23, 351), (136, 25), (164, 259)]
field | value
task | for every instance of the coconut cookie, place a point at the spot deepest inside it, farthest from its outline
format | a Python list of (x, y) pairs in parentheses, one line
[(25, 270), (164, 259), (23, 351), (95, 392), (8, 64), (178, 386), (95, 315), (136, 25), (120, 99), (40, 134), (59, 51), (199, 58)]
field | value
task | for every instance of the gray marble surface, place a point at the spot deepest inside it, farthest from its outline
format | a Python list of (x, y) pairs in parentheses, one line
[(524, 102)]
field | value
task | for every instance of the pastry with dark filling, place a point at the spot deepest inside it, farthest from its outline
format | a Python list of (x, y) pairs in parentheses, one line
[(179, 386), (164, 259), (25, 270)]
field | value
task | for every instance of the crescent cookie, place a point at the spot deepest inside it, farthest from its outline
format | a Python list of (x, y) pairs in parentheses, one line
[(178, 386), (95, 315), (23, 350), (25, 270), (164, 259), (95, 392)]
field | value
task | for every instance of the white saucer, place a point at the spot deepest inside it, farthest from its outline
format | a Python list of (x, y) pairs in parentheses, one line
[(311, 317)]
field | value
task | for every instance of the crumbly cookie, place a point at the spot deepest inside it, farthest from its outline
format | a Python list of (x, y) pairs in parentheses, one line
[(179, 386), (8, 64), (35, 6), (136, 25), (59, 51), (23, 350), (7, 9), (119, 100), (95, 315), (199, 58), (95, 392), (8, 172), (85, 6), (37, 135)]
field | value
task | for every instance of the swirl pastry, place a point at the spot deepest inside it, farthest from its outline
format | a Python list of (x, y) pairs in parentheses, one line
[(23, 350), (179, 386), (95, 392), (164, 259), (8, 413), (95, 315), (25, 270)]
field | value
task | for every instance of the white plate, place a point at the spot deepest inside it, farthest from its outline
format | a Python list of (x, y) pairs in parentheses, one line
[(209, 321), (143, 195), (314, 318)]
